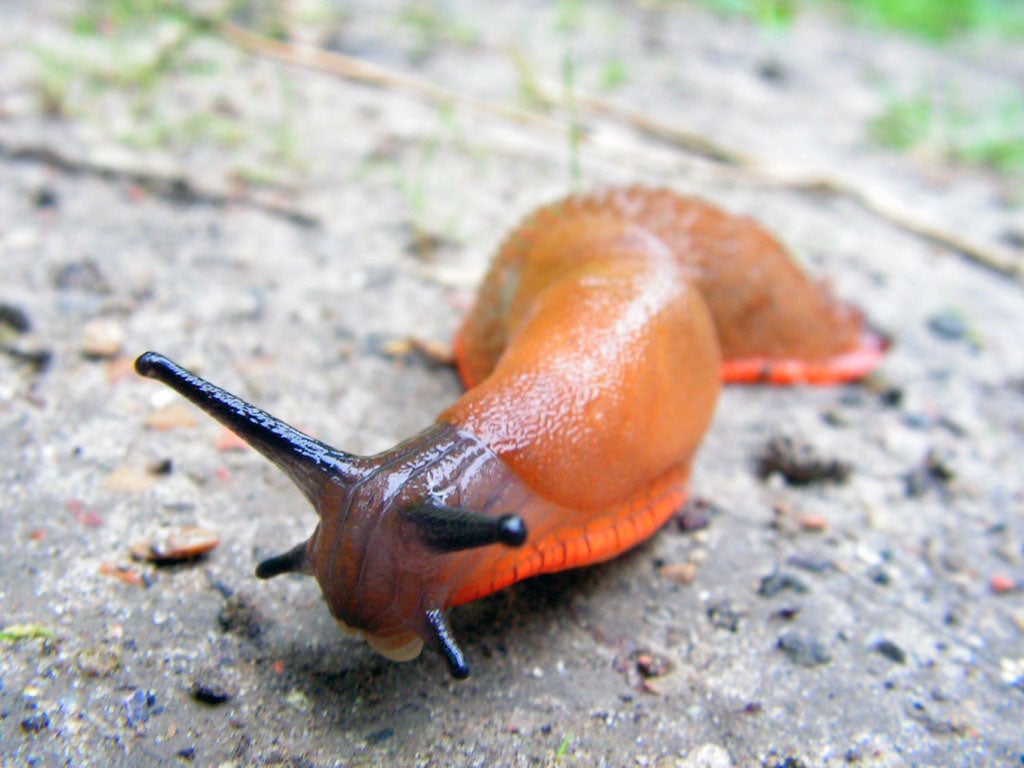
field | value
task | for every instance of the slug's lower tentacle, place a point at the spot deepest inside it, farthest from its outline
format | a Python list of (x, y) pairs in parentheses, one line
[(295, 560), (444, 642)]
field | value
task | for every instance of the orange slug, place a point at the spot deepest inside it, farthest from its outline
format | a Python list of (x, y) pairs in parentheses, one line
[(593, 359)]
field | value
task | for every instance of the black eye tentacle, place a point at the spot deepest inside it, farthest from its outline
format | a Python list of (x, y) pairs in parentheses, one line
[(451, 529), (310, 464)]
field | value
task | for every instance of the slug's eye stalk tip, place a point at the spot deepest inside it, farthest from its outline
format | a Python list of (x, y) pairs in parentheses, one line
[(152, 365), (444, 642), (451, 529), (512, 530)]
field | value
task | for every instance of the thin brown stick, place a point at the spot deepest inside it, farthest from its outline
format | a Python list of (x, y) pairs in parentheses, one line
[(359, 70), (990, 256)]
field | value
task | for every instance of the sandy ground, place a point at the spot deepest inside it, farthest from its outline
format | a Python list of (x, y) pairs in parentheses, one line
[(892, 630)]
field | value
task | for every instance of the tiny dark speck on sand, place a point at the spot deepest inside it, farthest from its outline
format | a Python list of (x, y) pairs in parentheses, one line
[(209, 691), (36, 722), (947, 325), (805, 651), (779, 581), (891, 651), (378, 737), (138, 707), (724, 616), (799, 463), (240, 617)]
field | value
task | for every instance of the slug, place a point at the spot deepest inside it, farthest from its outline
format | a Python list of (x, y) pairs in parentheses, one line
[(593, 359)]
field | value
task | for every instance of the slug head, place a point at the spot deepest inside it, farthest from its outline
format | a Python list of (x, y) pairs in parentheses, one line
[(394, 528)]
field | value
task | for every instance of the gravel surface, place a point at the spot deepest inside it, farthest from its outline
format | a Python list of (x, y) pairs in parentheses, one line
[(286, 244)]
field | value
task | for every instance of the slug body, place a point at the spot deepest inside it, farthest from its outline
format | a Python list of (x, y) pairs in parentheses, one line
[(593, 359)]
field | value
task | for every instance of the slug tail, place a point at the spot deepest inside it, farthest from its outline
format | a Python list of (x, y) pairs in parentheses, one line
[(310, 464), (851, 365)]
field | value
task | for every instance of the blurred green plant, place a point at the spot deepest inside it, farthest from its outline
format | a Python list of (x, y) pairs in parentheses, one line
[(942, 19), (767, 13), (562, 753), (434, 25), (104, 17), (904, 123), (135, 67), (129, 45), (945, 128), (614, 74), (937, 20)]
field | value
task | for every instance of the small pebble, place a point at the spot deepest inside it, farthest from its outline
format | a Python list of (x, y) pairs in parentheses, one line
[(650, 664), (124, 573), (173, 545), (880, 576), (84, 276), (805, 651), (723, 616), (787, 613), (14, 317), (137, 707), (681, 573), (45, 197), (37, 359), (36, 722), (772, 70), (891, 396), (779, 581), (1001, 583), (934, 471), (798, 463), (815, 523), (377, 737), (297, 700), (891, 651), (98, 662), (209, 688), (696, 515), (161, 467), (707, 756), (948, 325), (240, 617), (102, 338)]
